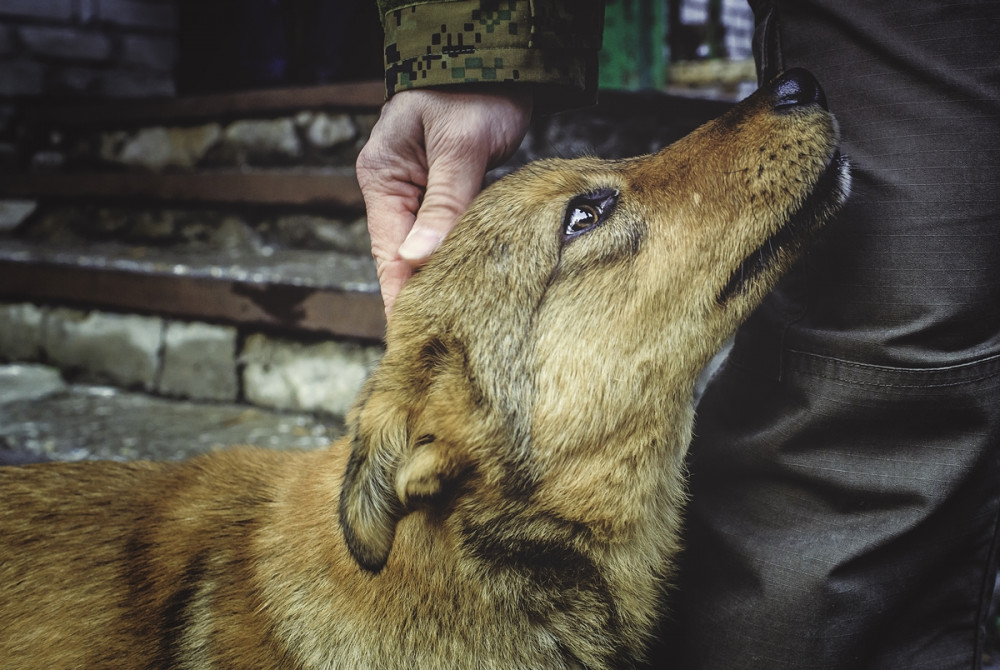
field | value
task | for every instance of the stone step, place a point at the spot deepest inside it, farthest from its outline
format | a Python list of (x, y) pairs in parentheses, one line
[(240, 208), (330, 294), (254, 266), (337, 188), (364, 95), (194, 360), (42, 417)]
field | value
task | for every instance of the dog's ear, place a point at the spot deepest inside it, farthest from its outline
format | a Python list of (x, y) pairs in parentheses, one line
[(369, 506), (389, 473)]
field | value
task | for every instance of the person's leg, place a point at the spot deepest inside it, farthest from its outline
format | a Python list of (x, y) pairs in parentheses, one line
[(846, 465)]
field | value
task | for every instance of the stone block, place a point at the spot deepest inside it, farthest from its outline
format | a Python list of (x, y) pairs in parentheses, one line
[(158, 148), (95, 422), (324, 377), (8, 156), (325, 131), (73, 79), (320, 233), (121, 349), (136, 84), (7, 45), (47, 161), (21, 332), (66, 43), (14, 212), (149, 51), (6, 114), (210, 232), (86, 10), (21, 383), (21, 77), (60, 10), (199, 362), (159, 226), (156, 15), (261, 140), (110, 144)]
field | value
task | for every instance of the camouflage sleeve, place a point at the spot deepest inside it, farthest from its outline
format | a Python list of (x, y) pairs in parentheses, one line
[(550, 44)]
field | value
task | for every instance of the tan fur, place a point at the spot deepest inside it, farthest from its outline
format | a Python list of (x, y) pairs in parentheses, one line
[(511, 488)]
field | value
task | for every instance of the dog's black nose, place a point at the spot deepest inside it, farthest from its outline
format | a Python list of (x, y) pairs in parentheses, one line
[(796, 88)]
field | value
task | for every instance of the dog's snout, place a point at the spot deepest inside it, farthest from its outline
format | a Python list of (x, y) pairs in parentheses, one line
[(797, 88)]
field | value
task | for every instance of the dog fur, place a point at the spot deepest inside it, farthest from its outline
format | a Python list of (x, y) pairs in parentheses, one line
[(510, 491)]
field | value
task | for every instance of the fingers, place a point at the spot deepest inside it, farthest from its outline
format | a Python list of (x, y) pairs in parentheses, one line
[(390, 217), (423, 165), (392, 275), (390, 207), (465, 135), (389, 174), (453, 180)]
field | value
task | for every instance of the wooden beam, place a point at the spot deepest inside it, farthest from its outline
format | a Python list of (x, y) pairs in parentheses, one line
[(348, 96), (331, 190), (326, 311)]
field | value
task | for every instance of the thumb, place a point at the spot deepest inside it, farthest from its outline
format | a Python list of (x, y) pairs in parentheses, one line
[(450, 189)]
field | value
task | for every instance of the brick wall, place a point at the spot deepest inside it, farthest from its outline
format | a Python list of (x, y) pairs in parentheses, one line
[(87, 48)]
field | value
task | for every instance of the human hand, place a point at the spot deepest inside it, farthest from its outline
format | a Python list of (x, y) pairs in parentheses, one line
[(423, 165)]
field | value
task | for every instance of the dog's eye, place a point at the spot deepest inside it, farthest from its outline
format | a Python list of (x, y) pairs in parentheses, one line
[(582, 217), (589, 210)]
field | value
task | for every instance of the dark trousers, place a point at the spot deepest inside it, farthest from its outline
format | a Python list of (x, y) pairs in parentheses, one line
[(846, 467)]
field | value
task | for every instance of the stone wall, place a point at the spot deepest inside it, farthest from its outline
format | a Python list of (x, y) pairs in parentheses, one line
[(75, 49), (306, 139), (189, 360), (291, 244), (96, 48)]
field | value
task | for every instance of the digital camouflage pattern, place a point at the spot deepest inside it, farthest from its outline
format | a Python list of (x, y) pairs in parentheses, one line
[(552, 44)]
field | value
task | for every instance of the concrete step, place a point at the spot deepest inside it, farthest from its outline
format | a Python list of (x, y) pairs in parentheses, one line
[(332, 188), (240, 208), (194, 360), (363, 95), (42, 417), (323, 292)]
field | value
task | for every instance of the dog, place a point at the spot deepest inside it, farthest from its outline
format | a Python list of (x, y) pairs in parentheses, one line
[(510, 489)]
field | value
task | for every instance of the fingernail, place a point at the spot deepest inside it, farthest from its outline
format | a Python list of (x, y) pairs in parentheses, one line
[(419, 244)]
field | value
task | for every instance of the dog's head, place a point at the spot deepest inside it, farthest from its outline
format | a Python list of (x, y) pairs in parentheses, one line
[(575, 303)]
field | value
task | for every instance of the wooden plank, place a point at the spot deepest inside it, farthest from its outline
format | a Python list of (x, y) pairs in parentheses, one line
[(331, 190), (338, 313), (348, 96)]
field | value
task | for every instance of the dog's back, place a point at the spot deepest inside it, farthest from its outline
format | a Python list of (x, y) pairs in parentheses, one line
[(65, 534), (101, 561)]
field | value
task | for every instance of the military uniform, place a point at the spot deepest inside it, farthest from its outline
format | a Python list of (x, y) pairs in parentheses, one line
[(549, 44)]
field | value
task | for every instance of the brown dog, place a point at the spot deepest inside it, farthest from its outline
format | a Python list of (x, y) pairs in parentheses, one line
[(510, 491)]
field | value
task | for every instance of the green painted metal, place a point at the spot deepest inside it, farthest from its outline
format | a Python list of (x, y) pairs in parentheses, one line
[(634, 55)]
